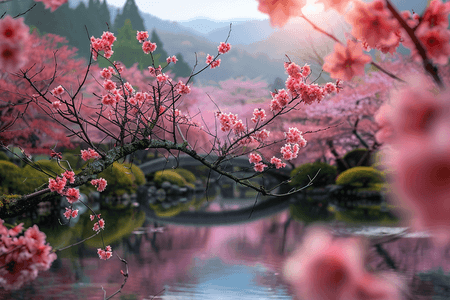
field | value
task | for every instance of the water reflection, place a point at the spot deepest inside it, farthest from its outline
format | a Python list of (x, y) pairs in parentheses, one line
[(239, 261)]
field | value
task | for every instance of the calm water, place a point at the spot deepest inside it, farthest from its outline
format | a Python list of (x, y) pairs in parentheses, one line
[(241, 261)]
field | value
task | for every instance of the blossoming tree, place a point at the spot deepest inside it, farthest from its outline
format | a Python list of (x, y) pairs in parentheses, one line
[(150, 118)]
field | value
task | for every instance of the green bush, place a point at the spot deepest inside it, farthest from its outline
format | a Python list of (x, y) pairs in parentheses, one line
[(187, 175), (367, 215), (33, 179), (3, 156), (326, 175), (170, 176), (360, 177), (9, 177), (136, 173), (119, 179)]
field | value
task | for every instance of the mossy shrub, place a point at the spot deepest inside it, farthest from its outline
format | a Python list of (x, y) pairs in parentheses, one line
[(3, 156), (170, 176), (119, 179), (33, 179), (360, 177), (326, 175), (136, 173), (74, 160), (186, 174), (9, 177)]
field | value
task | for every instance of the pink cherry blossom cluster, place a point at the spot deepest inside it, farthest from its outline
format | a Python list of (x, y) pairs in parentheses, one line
[(182, 89), (52, 4), (104, 254), (141, 36), (58, 91), (229, 121), (70, 213), (277, 162), (99, 224), (154, 72), (415, 117), (256, 159), (100, 184), (328, 268), (172, 59), (258, 113), (107, 73), (104, 44), (294, 136), (213, 63), (290, 152), (89, 153), (431, 30), (224, 48), (296, 85), (162, 77), (22, 257), (59, 185), (148, 47), (14, 35)]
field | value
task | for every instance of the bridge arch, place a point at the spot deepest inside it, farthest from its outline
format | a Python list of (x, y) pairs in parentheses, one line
[(186, 160)]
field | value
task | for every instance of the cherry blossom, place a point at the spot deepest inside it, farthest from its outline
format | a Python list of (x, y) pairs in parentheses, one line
[(99, 183), (13, 31), (224, 48), (148, 47), (57, 185), (141, 36), (88, 154), (52, 4), (69, 175), (258, 114), (277, 162), (259, 167), (281, 10), (327, 268), (22, 257), (346, 62), (72, 195), (254, 158), (104, 254), (371, 22), (70, 213)]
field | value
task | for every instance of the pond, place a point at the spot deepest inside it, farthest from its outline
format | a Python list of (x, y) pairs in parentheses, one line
[(232, 261)]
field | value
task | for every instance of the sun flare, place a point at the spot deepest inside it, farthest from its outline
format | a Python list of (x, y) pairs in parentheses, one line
[(312, 8)]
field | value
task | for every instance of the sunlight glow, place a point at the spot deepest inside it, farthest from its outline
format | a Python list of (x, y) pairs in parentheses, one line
[(312, 8)]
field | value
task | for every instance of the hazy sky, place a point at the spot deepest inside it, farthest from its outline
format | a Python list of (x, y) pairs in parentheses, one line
[(183, 10)]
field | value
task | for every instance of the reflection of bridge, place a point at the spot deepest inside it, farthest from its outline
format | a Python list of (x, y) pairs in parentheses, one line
[(249, 214)]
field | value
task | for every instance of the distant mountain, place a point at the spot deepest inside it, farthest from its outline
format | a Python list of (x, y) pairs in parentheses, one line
[(236, 63), (258, 49), (243, 33), (204, 25)]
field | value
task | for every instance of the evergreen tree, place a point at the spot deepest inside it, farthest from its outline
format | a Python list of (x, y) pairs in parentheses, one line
[(105, 15), (181, 68), (159, 48), (129, 11), (128, 50)]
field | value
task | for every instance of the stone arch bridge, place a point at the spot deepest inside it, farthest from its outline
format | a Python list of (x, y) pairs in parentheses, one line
[(243, 164)]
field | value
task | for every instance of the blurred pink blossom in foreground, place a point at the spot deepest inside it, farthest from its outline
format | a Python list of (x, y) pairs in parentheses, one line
[(326, 268), (417, 127)]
